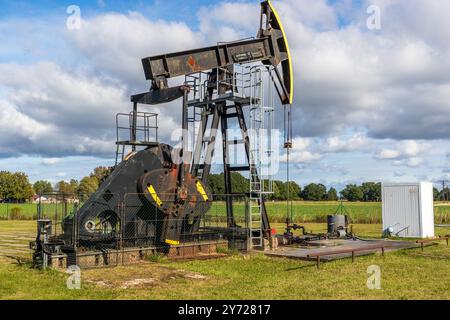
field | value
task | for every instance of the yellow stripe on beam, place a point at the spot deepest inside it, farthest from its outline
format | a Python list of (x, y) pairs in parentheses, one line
[(172, 242), (291, 73), (201, 190), (155, 195)]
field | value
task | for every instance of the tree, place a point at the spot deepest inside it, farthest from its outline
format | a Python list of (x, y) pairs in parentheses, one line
[(15, 186), (74, 185), (332, 195), (353, 193), (239, 184), (101, 173), (314, 192), (279, 190), (6, 185), (24, 189), (371, 191), (445, 194), (216, 184), (436, 194), (87, 186), (42, 187), (294, 190), (65, 188)]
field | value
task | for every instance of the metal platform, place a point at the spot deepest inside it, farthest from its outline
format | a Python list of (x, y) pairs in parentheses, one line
[(332, 249)]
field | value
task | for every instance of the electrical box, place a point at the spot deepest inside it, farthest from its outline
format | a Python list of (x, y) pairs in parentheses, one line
[(408, 209)]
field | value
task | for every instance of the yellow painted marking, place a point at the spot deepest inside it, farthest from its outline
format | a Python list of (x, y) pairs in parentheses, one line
[(154, 195), (291, 73), (172, 242), (201, 190), (129, 156)]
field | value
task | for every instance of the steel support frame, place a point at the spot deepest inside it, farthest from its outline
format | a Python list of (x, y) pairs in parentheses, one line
[(220, 115)]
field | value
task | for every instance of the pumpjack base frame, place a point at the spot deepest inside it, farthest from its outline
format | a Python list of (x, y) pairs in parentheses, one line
[(120, 257)]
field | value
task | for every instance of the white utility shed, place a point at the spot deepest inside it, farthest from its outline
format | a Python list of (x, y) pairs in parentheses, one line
[(408, 209)]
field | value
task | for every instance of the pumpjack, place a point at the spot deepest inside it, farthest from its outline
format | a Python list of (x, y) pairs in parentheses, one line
[(169, 182)]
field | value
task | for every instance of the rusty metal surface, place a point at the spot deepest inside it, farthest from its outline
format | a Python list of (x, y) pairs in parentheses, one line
[(190, 61), (434, 239), (424, 242)]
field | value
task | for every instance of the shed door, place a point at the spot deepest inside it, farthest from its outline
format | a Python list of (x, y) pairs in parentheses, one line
[(412, 216)]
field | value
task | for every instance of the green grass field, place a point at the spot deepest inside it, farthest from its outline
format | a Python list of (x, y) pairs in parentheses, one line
[(359, 212), (408, 274)]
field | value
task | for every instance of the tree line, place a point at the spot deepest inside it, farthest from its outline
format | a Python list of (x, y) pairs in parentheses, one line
[(365, 192), (15, 187), (368, 191)]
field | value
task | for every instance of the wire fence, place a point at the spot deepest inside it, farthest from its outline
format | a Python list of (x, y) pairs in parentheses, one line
[(115, 230), (303, 212), (111, 229)]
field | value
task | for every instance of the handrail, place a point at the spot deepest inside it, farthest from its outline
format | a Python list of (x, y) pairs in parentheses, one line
[(440, 238)]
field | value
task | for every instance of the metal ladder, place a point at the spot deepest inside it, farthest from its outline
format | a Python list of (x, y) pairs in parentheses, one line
[(261, 175), (256, 184)]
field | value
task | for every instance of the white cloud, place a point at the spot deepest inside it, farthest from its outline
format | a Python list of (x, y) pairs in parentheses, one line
[(316, 14), (115, 43), (337, 144), (388, 154), (446, 169), (405, 149), (51, 161), (398, 173), (304, 156), (414, 162), (308, 150), (391, 82), (225, 22), (398, 163), (53, 110), (300, 152)]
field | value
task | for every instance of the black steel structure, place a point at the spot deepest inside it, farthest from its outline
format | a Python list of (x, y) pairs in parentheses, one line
[(269, 47), (172, 183)]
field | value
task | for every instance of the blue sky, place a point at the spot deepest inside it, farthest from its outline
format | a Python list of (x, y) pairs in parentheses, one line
[(170, 10), (369, 104)]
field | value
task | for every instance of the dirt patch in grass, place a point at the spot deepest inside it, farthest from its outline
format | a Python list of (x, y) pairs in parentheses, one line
[(139, 276)]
